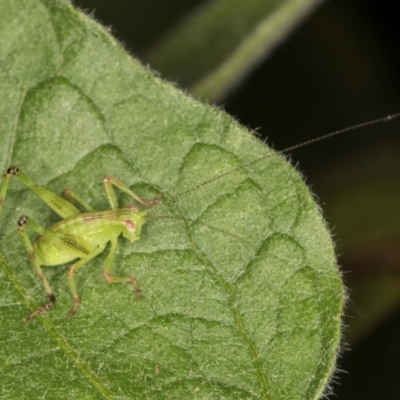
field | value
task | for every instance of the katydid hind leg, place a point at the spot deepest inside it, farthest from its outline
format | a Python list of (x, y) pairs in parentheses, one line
[(58, 204), (116, 279), (37, 268)]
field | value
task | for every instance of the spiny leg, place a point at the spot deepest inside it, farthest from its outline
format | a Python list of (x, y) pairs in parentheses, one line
[(36, 266), (71, 195), (116, 279), (71, 278), (61, 206), (110, 181)]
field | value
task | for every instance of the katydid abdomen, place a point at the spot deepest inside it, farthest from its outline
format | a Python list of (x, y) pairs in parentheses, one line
[(80, 235)]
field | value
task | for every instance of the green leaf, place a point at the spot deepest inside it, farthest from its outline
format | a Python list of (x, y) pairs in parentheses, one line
[(251, 313), (214, 48)]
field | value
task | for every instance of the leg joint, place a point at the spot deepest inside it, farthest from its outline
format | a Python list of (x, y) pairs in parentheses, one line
[(71, 271), (22, 220), (13, 171)]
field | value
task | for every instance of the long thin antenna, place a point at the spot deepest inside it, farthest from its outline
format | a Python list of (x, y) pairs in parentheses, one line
[(338, 132), (291, 148), (201, 223)]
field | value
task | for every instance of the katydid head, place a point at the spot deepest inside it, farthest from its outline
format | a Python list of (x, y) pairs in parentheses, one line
[(131, 222)]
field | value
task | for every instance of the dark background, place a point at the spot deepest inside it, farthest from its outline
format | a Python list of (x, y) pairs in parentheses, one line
[(340, 67)]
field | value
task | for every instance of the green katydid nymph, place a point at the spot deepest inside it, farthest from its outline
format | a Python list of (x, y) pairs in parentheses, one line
[(78, 235), (81, 236)]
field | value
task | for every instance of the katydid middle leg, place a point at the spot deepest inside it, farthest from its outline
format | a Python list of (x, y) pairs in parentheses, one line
[(71, 278), (117, 279), (71, 195)]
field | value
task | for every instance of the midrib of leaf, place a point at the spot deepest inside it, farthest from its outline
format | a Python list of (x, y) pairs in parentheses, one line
[(56, 335), (261, 376)]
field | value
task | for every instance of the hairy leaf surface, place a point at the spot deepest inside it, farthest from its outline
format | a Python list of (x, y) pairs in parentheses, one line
[(250, 310)]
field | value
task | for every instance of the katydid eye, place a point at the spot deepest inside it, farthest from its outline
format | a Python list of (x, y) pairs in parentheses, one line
[(131, 226)]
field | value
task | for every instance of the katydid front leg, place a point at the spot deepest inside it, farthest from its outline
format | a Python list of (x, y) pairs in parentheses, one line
[(110, 181), (71, 195)]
